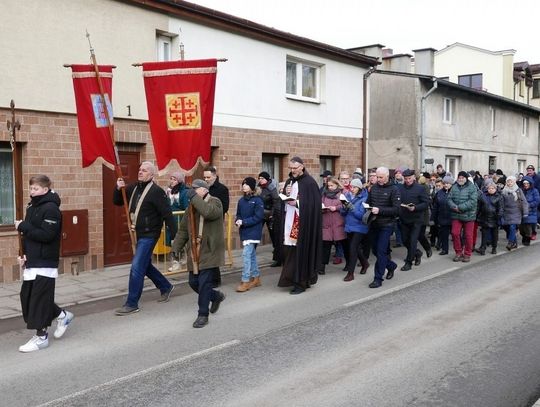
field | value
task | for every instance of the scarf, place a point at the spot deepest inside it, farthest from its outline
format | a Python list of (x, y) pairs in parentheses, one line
[(510, 190), (331, 194), (176, 188)]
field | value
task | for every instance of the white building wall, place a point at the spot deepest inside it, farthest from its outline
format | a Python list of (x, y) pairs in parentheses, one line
[(464, 61), (250, 86)]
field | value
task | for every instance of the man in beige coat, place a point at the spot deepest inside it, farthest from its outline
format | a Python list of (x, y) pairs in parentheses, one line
[(210, 247)]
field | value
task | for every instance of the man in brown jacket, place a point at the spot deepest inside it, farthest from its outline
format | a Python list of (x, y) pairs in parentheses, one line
[(210, 247)]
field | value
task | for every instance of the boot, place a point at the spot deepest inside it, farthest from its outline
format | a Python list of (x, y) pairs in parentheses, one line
[(349, 277), (494, 250), (482, 250), (243, 287), (365, 265), (254, 282)]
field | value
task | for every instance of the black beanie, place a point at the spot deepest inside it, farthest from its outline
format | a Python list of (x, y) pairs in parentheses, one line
[(265, 175), (463, 174), (250, 181)]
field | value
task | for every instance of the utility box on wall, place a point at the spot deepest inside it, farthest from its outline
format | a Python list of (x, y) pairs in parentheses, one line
[(74, 233)]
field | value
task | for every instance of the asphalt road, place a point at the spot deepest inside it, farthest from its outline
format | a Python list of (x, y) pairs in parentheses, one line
[(470, 337)]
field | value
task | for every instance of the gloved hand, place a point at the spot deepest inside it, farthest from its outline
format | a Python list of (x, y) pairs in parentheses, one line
[(349, 206), (190, 192)]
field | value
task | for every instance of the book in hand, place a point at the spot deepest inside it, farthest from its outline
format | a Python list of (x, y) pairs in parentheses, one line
[(324, 207), (343, 199), (286, 198), (366, 206), (409, 205)]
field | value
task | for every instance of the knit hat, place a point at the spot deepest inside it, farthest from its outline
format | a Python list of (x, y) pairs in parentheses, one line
[(250, 182), (357, 183), (463, 174), (178, 176), (265, 175), (511, 177), (448, 179), (530, 167), (199, 183)]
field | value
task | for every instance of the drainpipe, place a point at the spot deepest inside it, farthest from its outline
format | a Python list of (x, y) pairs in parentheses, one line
[(423, 151), (365, 121)]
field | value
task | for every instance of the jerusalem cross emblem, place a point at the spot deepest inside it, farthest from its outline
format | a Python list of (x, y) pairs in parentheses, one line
[(183, 111)]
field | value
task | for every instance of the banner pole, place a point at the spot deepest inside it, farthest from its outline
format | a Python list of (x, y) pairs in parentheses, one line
[(13, 126), (117, 167)]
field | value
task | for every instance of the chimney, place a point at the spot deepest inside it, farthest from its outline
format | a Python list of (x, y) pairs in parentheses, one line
[(424, 60), (375, 50)]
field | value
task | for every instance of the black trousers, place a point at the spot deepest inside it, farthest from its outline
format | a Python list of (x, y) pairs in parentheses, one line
[(358, 249), (410, 233), (37, 302)]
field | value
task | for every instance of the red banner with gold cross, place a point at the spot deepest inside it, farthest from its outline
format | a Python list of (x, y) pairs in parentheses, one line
[(180, 102), (94, 132)]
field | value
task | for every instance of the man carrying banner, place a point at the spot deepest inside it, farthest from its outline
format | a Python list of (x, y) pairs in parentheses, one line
[(210, 247), (148, 209)]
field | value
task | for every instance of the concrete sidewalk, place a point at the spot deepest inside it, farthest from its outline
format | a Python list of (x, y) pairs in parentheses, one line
[(111, 282)]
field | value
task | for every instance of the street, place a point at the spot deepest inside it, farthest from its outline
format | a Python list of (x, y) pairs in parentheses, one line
[(467, 337)]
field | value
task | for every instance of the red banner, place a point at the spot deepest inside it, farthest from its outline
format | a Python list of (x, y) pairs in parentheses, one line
[(180, 102), (94, 130)]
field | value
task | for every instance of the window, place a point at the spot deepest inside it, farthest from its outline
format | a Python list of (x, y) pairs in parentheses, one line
[(521, 165), (326, 163), (447, 110), (524, 126), (164, 48), (493, 117), (271, 163), (471, 81), (303, 80), (453, 164), (7, 188), (536, 88), (492, 163)]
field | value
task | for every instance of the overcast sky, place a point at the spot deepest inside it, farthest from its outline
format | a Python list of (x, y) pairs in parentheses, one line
[(402, 25)]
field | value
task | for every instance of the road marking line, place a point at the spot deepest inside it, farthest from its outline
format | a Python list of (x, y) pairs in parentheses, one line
[(399, 287), (102, 386)]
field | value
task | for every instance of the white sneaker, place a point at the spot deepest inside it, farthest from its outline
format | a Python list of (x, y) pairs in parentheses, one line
[(175, 266), (62, 324), (36, 343)]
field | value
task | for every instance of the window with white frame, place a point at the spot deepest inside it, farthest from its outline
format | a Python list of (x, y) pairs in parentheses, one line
[(7, 186), (303, 80), (452, 164), (521, 165), (448, 110), (524, 126), (163, 47), (493, 117)]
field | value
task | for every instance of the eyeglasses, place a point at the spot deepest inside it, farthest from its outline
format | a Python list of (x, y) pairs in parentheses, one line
[(344, 178)]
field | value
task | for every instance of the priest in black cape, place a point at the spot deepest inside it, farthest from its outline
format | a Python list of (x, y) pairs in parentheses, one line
[(302, 229)]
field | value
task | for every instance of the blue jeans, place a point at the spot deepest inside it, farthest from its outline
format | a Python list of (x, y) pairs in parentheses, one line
[(251, 269), (511, 233), (141, 266), (202, 284), (380, 242)]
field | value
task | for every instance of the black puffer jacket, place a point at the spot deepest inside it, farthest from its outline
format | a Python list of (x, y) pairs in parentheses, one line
[(41, 230), (387, 198), (490, 209), (221, 192)]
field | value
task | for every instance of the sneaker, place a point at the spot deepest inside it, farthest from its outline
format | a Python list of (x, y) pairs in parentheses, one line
[(126, 310), (215, 304), (62, 324), (166, 296), (36, 343), (175, 266), (458, 258), (200, 322), (337, 260)]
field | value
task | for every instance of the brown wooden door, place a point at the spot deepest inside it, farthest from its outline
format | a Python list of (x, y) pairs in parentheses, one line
[(116, 243)]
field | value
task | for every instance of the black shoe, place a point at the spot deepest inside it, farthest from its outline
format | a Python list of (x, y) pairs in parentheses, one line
[(321, 272), (406, 267), (494, 250), (391, 268), (215, 304), (200, 322), (297, 290), (481, 251), (275, 263), (375, 284), (397, 245), (429, 253), (216, 284), (443, 252), (417, 259), (166, 296)]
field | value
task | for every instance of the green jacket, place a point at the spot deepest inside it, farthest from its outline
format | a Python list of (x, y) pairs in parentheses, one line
[(465, 199), (212, 246)]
